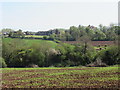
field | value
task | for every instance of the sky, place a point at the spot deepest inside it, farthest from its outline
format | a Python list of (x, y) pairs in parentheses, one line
[(46, 15)]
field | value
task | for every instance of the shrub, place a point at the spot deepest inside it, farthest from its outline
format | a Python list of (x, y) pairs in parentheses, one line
[(45, 37), (2, 63), (110, 56), (97, 63)]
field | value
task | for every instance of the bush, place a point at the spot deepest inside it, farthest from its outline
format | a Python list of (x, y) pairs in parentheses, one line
[(11, 50), (45, 37), (18, 54), (84, 55), (110, 56), (97, 63), (2, 63)]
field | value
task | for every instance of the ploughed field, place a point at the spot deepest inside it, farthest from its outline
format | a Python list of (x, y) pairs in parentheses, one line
[(64, 77)]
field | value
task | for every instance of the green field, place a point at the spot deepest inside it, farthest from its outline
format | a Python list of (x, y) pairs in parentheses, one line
[(67, 77), (35, 36), (29, 42)]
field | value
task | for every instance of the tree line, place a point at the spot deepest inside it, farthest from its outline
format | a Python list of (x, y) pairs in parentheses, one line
[(104, 33), (17, 53), (101, 33)]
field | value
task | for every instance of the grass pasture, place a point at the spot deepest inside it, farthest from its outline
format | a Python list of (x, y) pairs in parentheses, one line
[(29, 42), (34, 36), (64, 77)]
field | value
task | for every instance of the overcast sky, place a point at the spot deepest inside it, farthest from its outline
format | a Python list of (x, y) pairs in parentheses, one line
[(36, 16)]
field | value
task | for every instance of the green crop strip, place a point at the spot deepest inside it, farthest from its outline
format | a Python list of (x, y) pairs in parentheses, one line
[(60, 77)]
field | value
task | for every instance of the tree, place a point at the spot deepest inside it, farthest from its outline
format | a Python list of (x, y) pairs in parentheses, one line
[(18, 34), (74, 32), (52, 37), (6, 31), (84, 40), (99, 35), (89, 32), (68, 36)]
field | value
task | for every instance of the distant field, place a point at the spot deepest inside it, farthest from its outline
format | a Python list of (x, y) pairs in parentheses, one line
[(68, 77), (36, 36), (30, 41)]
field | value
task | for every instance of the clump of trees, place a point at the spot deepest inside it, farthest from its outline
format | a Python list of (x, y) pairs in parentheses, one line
[(101, 33), (17, 53), (94, 33), (17, 34), (13, 34)]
